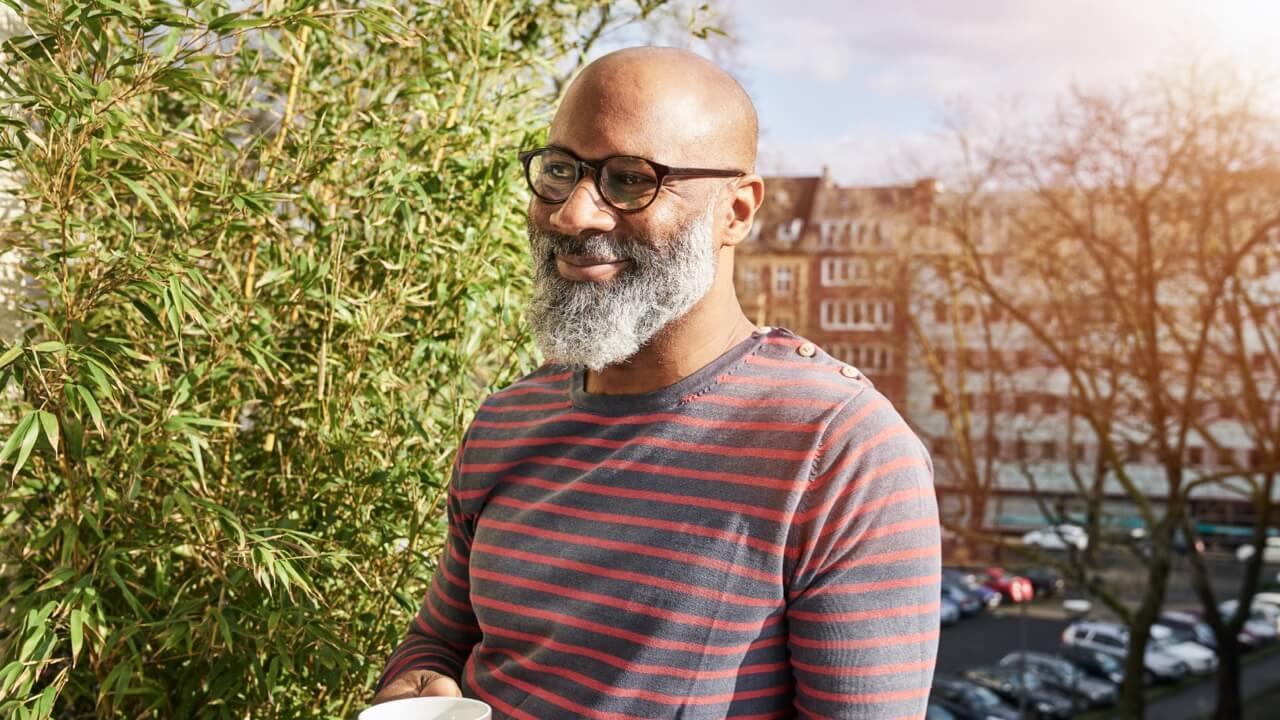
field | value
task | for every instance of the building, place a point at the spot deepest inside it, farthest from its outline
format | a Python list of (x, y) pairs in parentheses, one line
[(822, 261), (852, 269)]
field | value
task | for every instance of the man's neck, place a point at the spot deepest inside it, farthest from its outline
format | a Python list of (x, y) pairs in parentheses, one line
[(681, 349)]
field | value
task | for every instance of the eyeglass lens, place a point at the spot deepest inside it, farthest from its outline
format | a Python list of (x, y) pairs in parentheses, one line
[(628, 183)]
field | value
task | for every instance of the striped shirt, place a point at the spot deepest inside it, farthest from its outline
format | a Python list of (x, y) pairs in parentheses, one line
[(758, 540)]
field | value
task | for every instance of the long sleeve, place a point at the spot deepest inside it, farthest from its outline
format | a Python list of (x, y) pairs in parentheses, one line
[(864, 599), (444, 631)]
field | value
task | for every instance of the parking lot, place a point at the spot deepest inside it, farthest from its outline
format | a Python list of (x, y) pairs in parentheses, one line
[(987, 637)]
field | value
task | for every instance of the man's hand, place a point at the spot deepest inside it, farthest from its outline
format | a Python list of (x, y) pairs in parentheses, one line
[(418, 683)]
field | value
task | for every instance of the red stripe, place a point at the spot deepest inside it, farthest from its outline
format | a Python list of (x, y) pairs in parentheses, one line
[(542, 641), (846, 390), (811, 365), (885, 468), (760, 481), (868, 506), (854, 420), (854, 455), (705, 448), (636, 548), (919, 638), (650, 419), (894, 556), (627, 605), (698, 648), (645, 522), (439, 617), (860, 615), (858, 588), (652, 495), (405, 664), (863, 670), (497, 703), (514, 391), (528, 408), (626, 576), (863, 698), (783, 341), (577, 678), (765, 402), (534, 690)]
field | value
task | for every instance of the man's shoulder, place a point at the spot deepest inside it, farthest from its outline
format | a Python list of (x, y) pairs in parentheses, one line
[(787, 358)]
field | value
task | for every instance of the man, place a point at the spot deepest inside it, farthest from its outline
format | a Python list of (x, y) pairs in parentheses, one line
[(680, 515)]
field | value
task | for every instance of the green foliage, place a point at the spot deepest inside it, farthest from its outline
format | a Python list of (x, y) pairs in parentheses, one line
[(276, 253)]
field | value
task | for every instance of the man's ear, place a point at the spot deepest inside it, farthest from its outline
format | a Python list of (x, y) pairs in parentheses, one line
[(741, 213)]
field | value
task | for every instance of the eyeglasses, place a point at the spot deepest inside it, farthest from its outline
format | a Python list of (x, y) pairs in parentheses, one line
[(626, 182)]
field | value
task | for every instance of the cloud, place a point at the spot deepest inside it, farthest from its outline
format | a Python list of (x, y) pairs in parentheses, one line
[(882, 71)]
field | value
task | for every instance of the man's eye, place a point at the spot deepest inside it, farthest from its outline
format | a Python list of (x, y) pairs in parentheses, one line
[(558, 171), (632, 179)]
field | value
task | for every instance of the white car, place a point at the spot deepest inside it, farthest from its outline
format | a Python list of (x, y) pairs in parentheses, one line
[(1263, 621), (1267, 598), (1270, 551), (1200, 660), (1057, 537)]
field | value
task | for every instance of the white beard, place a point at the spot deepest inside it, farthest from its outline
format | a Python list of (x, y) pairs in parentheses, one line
[(595, 325)]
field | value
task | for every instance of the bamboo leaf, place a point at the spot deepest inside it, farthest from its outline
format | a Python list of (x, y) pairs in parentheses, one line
[(50, 424), (92, 405), (15, 439), (10, 355), (28, 442), (77, 632)]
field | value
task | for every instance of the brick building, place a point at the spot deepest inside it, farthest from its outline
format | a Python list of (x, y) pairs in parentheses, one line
[(821, 262)]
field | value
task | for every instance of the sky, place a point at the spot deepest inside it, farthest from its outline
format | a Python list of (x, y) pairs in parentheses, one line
[(862, 87)]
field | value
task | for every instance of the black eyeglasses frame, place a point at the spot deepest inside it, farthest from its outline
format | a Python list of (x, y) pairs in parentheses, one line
[(661, 173)]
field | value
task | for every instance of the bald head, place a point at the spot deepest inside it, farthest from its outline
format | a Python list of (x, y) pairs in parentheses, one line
[(665, 104)]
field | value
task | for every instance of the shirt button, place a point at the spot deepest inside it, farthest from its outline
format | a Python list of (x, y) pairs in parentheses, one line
[(806, 350), (849, 371)]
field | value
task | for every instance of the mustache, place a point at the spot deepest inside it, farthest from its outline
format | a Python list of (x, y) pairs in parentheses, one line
[(547, 244)]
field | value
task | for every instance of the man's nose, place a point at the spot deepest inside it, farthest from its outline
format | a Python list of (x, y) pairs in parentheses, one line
[(583, 211)]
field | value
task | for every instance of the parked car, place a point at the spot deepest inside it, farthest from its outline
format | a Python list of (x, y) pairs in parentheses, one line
[(968, 601), (1263, 620), (1057, 537), (1112, 638), (1180, 544), (948, 612), (968, 701), (1058, 673), (937, 711), (1193, 627), (1270, 551), (1095, 663), (1019, 687), (1270, 598), (1013, 588), (1045, 582), (1200, 660), (967, 580)]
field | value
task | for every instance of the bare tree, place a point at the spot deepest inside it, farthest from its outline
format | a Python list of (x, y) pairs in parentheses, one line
[(1133, 218)]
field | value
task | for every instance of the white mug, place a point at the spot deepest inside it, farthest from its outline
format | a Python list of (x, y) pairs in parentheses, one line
[(429, 708)]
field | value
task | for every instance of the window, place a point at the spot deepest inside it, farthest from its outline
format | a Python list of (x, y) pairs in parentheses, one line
[(783, 320), (856, 315), (839, 272), (750, 281), (790, 232), (782, 280)]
